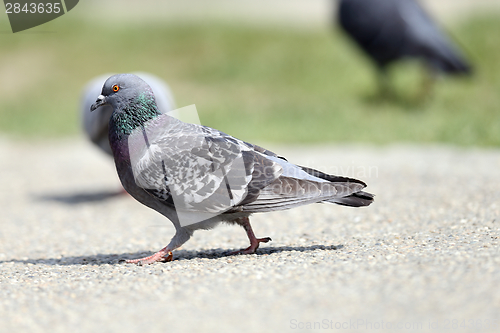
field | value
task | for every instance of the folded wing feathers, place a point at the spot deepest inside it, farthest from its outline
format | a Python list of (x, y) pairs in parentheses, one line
[(214, 172), (205, 169), (288, 192)]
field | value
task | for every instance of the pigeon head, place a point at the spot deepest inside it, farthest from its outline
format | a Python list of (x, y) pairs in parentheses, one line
[(123, 89), (132, 100)]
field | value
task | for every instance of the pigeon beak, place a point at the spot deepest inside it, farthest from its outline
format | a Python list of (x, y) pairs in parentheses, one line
[(101, 100)]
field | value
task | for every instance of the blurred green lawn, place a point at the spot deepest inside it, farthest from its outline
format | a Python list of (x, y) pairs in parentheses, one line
[(258, 84)]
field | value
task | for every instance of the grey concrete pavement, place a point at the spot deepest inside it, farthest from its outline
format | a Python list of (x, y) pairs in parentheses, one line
[(423, 257)]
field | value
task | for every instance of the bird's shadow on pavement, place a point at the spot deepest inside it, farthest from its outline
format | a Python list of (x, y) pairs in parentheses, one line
[(179, 255), (80, 198)]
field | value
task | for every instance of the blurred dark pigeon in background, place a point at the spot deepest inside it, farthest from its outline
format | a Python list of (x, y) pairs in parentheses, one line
[(95, 124), (390, 30)]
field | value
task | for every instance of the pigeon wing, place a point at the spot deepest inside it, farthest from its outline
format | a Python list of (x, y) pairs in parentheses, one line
[(199, 169), (298, 186)]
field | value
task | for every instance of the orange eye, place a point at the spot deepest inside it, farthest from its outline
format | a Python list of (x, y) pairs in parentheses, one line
[(115, 88)]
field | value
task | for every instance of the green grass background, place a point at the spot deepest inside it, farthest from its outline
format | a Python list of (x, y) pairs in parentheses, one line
[(261, 84)]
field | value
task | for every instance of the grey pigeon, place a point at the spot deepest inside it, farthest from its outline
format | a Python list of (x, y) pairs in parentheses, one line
[(197, 176), (95, 124), (389, 30)]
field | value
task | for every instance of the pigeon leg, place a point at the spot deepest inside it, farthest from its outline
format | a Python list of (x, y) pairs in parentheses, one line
[(254, 241), (427, 85), (385, 90), (164, 255)]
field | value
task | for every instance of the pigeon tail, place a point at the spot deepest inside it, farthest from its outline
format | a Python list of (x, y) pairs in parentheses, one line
[(331, 178), (358, 199), (451, 63)]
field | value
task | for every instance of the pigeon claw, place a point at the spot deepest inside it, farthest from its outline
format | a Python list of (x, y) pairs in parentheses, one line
[(254, 245), (169, 258)]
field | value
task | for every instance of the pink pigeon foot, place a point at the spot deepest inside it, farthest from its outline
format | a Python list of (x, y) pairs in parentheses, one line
[(161, 256)]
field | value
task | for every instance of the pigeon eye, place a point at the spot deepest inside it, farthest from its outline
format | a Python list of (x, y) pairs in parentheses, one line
[(115, 88)]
